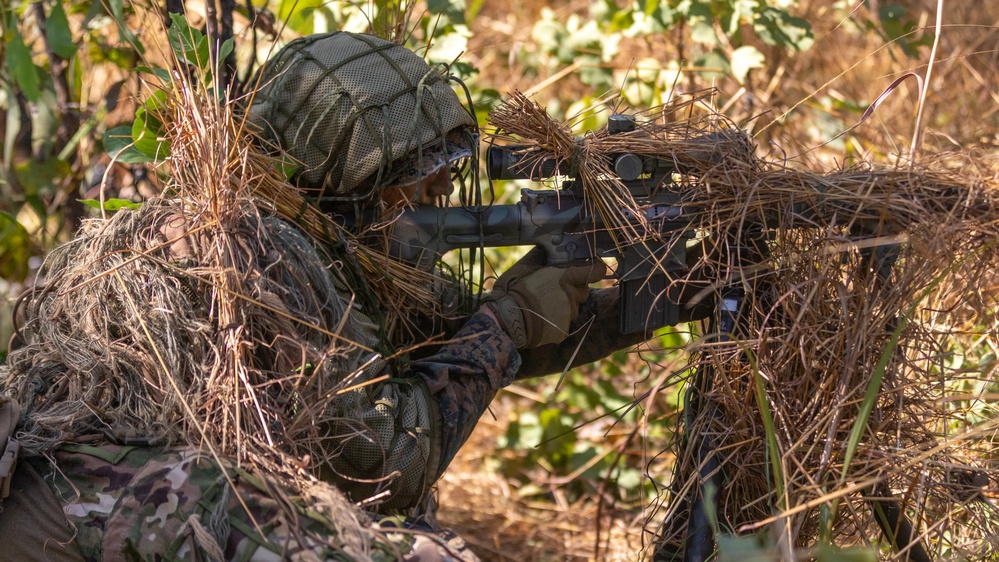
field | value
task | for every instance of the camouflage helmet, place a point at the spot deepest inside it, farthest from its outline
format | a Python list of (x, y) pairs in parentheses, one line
[(359, 112)]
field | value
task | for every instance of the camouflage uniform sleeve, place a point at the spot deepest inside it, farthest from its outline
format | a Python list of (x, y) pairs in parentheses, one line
[(395, 438), (464, 376), (153, 505)]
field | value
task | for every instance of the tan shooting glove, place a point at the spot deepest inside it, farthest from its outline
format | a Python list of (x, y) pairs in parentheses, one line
[(535, 304)]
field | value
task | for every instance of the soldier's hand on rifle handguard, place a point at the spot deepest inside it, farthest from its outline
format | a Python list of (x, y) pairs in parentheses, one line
[(593, 332), (536, 304)]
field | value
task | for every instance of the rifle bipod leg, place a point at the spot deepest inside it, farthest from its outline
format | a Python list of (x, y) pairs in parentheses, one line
[(895, 526), (691, 539), (700, 541)]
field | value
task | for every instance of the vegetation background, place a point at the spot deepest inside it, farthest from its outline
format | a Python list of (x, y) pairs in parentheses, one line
[(556, 471)]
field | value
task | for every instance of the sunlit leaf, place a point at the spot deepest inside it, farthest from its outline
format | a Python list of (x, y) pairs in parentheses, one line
[(745, 58), (226, 48), (454, 9), (450, 46), (713, 65), (118, 144), (111, 204), (148, 131), (22, 68), (779, 28), (161, 73), (15, 247), (147, 135), (58, 34), (704, 33), (188, 43)]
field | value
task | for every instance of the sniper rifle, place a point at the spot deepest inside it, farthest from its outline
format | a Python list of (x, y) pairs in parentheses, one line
[(562, 223)]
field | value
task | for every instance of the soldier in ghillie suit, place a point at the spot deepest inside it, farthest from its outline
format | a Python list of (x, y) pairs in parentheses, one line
[(181, 390)]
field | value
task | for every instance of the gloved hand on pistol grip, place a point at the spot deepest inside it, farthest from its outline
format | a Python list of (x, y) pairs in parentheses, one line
[(535, 304)]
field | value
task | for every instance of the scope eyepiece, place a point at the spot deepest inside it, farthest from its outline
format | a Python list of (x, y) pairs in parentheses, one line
[(508, 163)]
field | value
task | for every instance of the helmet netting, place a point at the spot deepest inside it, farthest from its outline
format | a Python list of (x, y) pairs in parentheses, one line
[(356, 110)]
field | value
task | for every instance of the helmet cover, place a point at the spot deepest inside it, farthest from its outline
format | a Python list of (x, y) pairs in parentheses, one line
[(359, 112)]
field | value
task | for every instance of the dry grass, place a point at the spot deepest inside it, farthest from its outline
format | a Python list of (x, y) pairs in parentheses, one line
[(500, 524)]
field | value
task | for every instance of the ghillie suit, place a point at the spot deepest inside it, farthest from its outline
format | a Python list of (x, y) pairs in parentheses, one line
[(216, 338), (132, 356)]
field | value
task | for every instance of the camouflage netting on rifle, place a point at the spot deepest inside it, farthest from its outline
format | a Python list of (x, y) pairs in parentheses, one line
[(857, 379), (357, 111)]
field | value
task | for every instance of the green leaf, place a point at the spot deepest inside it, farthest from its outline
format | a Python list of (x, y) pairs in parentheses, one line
[(118, 144), (58, 34), (826, 553), (526, 432), (111, 205), (41, 179), (148, 131), (287, 167), (453, 9), (161, 73), (22, 69), (630, 479), (743, 59), (226, 48), (13, 125), (713, 65), (779, 28), (732, 548), (449, 46), (188, 43), (703, 32), (117, 10), (45, 118), (299, 15), (147, 135), (15, 246)]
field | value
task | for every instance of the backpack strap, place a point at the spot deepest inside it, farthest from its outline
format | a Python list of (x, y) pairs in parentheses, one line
[(10, 412)]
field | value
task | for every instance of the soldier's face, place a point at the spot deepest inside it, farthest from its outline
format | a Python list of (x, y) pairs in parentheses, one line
[(427, 191)]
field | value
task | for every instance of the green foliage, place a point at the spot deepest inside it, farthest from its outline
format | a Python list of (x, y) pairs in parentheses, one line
[(584, 432), (570, 437), (16, 247), (773, 26), (148, 130), (120, 146), (584, 43), (22, 69), (111, 205), (582, 429), (58, 34), (894, 24)]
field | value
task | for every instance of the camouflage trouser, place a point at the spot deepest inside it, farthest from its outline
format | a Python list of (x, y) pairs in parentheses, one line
[(149, 504)]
